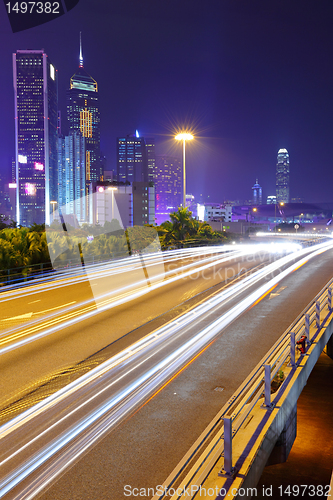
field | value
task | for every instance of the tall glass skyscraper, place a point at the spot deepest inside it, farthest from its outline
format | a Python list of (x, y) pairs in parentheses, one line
[(36, 106), (135, 159), (83, 116), (72, 197), (282, 176)]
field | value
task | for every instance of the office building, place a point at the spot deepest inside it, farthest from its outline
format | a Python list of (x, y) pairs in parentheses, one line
[(83, 116), (143, 203), (135, 158), (257, 194), (36, 102), (168, 186), (72, 176), (215, 212), (282, 176), (130, 204)]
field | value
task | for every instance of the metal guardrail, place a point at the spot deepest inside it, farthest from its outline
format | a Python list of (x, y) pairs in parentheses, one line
[(217, 439)]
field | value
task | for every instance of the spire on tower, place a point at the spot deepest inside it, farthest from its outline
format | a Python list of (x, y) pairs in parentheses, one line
[(81, 56)]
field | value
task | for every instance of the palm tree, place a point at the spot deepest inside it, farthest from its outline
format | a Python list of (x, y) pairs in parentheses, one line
[(183, 228)]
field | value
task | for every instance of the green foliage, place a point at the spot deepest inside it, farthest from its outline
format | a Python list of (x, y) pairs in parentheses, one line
[(22, 247), (183, 229), (6, 222)]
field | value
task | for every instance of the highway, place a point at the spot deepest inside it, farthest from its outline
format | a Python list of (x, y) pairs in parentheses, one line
[(113, 390), (54, 326)]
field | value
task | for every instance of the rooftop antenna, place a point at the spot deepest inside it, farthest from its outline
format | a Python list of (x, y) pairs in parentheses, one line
[(81, 56)]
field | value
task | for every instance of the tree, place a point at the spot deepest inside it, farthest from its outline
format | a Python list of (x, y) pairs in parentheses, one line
[(184, 229)]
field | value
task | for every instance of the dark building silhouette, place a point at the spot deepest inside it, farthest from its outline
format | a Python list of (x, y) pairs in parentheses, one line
[(135, 158)]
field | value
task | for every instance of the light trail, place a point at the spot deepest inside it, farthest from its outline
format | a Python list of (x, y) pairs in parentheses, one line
[(76, 275), (72, 314), (118, 406)]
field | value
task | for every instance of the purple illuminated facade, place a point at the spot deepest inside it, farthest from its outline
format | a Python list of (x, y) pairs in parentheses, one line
[(168, 186)]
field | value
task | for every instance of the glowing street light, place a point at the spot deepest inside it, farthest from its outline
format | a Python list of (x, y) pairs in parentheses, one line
[(184, 136)]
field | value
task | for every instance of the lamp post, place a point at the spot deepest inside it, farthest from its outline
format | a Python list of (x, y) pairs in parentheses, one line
[(280, 205), (184, 137)]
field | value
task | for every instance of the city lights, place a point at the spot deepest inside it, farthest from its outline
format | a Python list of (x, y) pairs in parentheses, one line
[(30, 189), (22, 159)]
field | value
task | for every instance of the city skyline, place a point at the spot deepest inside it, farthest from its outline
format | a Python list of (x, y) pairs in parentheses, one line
[(228, 84)]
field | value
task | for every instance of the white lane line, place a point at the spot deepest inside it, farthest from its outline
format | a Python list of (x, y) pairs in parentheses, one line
[(28, 315), (21, 316), (58, 307)]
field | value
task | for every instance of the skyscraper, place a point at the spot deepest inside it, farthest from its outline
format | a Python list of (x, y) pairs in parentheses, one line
[(36, 102), (72, 176), (135, 158), (257, 194), (168, 186), (83, 116), (282, 176)]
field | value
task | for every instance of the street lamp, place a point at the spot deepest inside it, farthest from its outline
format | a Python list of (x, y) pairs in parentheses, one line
[(280, 205), (184, 136)]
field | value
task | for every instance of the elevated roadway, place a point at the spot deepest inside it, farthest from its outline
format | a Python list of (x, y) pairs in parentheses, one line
[(159, 433)]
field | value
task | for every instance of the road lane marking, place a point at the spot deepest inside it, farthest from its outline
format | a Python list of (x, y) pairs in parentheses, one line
[(54, 308), (21, 316), (28, 315)]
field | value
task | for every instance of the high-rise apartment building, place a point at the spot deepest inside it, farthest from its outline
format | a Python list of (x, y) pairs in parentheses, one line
[(135, 159), (282, 176), (36, 105), (83, 116), (168, 186)]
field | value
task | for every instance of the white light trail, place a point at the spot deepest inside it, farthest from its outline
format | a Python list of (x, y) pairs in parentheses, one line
[(148, 381)]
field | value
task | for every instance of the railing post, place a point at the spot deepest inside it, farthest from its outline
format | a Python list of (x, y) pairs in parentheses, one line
[(329, 298), (227, 444), (267, 403), (228, 470), (292, 349), (307, 326), (318, 313)]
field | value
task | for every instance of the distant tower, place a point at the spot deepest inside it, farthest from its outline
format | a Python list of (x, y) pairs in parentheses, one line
[(36, 108), (282, 176), (257, 194), (83, 116)]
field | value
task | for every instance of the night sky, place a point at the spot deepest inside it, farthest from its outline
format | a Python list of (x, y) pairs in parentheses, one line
[(248, 77)]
